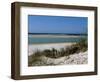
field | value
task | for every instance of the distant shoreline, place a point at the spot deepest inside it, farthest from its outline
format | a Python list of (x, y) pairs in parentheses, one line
[(54, 36)]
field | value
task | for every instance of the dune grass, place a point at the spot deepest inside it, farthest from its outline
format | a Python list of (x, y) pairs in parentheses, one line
[(54, 53)]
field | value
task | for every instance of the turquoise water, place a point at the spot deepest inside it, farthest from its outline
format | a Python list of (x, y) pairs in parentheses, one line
[(37, 40)]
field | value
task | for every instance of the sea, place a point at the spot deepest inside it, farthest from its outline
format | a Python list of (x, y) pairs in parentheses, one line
[(54, 39)]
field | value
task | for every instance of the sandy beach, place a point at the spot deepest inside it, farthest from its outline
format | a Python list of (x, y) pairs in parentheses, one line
[(74, 58), (54, 36), (33, 47)]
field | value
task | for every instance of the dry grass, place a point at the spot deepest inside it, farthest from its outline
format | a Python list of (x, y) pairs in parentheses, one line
[(54, 53)]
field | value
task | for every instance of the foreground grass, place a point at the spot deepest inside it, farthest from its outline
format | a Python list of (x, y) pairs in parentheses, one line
[(54, 53)]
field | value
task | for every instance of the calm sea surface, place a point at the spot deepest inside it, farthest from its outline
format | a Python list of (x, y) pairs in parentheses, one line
[(37, 40)]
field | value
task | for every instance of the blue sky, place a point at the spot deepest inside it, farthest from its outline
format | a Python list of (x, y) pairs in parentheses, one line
[(57, 24)]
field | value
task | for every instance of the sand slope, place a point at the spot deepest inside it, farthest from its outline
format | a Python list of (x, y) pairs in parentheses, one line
[(78, 58)]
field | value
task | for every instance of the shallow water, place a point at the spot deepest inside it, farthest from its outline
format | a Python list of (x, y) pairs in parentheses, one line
[(37, 40)]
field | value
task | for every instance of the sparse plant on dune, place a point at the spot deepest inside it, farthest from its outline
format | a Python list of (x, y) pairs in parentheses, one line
[(54, 53)]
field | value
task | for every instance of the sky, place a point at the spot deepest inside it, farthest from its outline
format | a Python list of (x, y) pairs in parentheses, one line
[(57, 24)]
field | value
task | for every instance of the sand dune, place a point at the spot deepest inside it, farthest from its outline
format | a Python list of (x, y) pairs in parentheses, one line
[(32, 48), (77, 58)]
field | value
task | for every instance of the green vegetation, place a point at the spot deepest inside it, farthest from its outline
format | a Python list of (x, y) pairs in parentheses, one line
[(54, 53)]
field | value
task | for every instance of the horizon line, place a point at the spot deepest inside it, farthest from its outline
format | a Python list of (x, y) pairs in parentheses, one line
[(61, 33)]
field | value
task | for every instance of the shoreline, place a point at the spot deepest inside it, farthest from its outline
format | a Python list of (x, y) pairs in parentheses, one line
[(55, 36), (56, 43), (34, 47)]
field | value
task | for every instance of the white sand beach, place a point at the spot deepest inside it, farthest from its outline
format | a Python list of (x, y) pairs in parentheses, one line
[(54, 36), (76, 58), (34, 47)]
